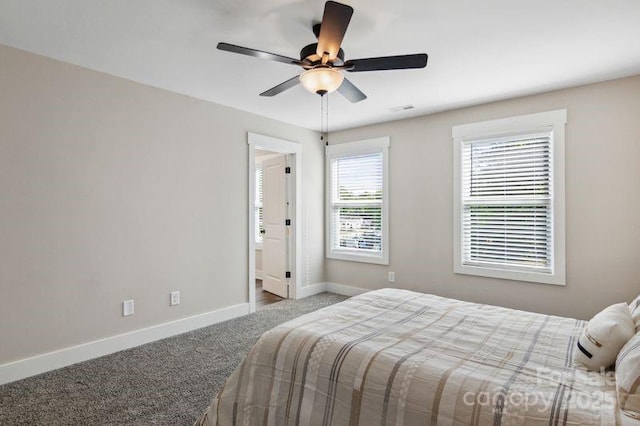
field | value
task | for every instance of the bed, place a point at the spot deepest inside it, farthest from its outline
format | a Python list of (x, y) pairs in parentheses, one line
[(396, 357)]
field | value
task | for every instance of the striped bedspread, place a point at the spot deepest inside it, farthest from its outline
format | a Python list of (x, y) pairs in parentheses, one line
[(395, 357)]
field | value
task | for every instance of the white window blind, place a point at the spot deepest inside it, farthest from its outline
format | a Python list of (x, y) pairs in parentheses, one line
[(509, 198), (357, 201), (258, 205), (506, 184)]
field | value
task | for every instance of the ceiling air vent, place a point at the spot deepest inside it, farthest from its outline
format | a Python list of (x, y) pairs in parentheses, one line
[(401, 108)]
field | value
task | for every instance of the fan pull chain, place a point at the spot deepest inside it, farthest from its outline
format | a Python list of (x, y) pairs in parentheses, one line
[(324, 119), (326, 111)]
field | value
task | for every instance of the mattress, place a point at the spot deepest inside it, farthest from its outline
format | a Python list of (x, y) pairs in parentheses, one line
[(396, 357)]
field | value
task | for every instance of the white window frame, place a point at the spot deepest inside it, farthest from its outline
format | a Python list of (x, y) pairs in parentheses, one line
[(369, 146), (553, 121)]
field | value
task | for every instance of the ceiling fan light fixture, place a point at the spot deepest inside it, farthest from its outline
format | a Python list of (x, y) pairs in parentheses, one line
[(321, 80), (324, 60)]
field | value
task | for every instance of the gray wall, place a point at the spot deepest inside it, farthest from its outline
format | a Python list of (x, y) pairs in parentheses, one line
[(602, 204), (112, 190)]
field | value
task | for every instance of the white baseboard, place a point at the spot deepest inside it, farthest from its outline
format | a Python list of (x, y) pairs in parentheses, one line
[(312, 289), (345, 290), (258, 274), (23, 368)]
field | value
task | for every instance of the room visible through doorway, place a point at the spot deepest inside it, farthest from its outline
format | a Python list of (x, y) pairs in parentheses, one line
[(271, 230), (275, 255)]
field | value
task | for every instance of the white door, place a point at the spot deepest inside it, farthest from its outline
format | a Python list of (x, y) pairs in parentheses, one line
[(274, 241)]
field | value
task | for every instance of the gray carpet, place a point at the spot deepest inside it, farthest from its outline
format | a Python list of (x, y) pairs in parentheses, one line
[(169, 382)]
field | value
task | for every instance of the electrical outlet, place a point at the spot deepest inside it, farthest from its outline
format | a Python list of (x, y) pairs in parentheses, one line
[(392, 277), (127, 308), (174, 298)]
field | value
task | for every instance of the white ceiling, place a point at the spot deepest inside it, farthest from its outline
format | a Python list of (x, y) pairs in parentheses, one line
[(479, 51)]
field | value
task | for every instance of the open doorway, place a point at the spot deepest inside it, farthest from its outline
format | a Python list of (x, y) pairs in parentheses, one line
[(271, 234), (274, 231)]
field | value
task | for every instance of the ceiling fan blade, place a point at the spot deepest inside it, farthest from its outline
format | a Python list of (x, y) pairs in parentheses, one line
[(333, 27), (351, 92), (257, 53), (400, 62), (282, 87)]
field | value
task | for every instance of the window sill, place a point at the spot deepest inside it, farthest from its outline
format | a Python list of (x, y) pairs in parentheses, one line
[(532, 277), (351, 256)]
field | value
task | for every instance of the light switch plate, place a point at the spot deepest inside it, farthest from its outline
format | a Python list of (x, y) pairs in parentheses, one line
[(127, 308)]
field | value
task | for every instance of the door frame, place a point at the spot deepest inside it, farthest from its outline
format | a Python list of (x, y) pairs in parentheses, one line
[(294, 189)]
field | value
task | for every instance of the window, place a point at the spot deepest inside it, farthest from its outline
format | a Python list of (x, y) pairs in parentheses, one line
[(509, 198), (357, 201), (259, 227)]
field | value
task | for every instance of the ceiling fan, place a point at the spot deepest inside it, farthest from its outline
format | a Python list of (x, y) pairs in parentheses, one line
[(324, 62)]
